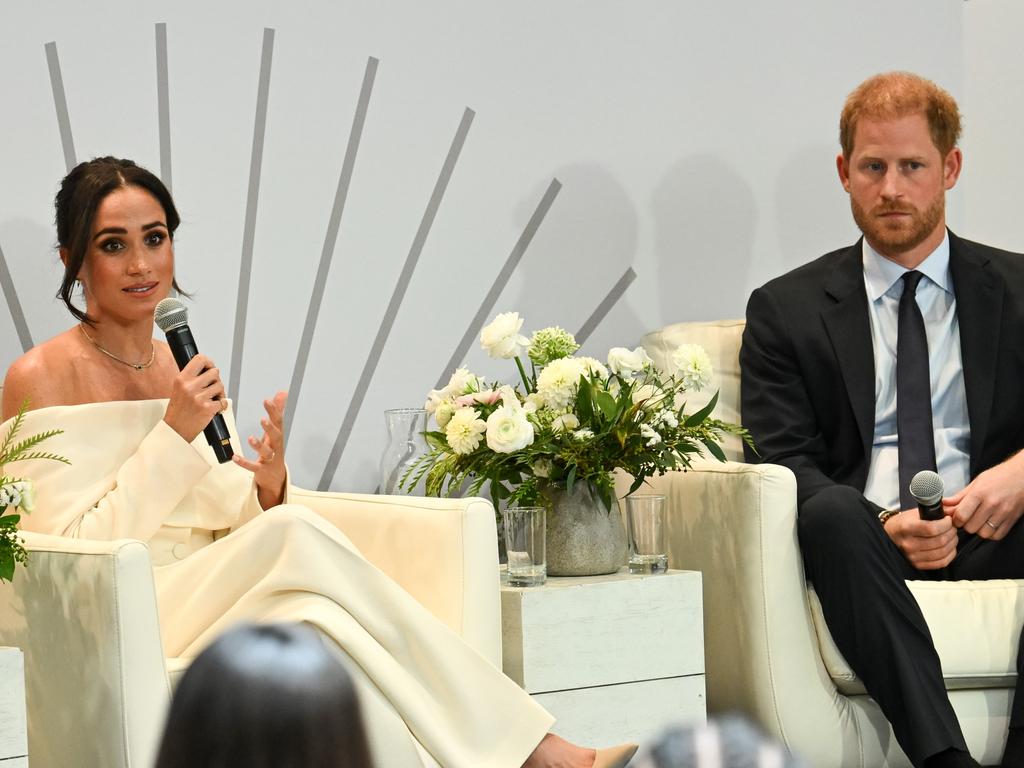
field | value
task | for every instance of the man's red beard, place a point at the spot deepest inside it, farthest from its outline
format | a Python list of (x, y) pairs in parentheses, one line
[(897, 236)]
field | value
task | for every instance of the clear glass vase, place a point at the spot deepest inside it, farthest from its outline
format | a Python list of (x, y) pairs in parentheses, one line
[(405, 445)]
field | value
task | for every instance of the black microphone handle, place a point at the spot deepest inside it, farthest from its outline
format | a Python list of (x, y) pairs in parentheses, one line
[(184, 348), (931, 511)]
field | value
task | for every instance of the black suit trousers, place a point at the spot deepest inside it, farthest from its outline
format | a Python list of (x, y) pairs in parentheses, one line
[(860, 576)]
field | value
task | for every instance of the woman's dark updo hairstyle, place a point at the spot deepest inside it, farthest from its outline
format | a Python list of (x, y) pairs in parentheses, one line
[(77, 201), (265, 696)]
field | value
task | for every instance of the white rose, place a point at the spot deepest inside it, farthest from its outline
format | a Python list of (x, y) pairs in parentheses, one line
[(693, 366), (542, 467), (444, 412), (28, 495), (649, 395), (464, 431), (557, 383), (623, 362), (594, 367), (461, 382), (508, 429), (534, 402), (501, 339), (565, 422)]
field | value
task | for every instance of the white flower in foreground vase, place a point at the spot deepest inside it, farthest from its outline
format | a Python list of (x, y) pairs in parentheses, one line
[(508, 429), (465, 430), (594, 367), (444, 412), (18, 493), (693, 366), (624, 362), (501, 339), (550, 344), (558, 382), (565, 423)]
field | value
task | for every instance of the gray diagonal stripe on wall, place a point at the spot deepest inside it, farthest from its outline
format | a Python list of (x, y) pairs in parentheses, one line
[(605, 306), (487, 305), (252, 204), (60, 103), (330, 240), (163, 104), (11, 295), (396, 300)]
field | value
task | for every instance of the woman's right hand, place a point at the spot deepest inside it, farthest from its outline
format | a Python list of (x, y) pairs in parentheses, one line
[(197, 396)]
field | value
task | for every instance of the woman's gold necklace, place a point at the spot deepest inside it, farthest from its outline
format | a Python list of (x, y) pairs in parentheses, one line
[(112, 356)]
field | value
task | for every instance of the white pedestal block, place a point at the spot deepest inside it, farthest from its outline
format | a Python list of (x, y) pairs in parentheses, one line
[(615, 658), (13, 728)]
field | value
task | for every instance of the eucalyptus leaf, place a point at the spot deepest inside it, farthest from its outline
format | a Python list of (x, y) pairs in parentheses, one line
[(703, 413)]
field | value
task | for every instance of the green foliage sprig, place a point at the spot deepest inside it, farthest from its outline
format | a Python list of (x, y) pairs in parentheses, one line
[(18, 493)]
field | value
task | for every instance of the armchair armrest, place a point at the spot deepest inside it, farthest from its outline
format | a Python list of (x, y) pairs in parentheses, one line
[(736, 523), (444, 552), (85, 615)]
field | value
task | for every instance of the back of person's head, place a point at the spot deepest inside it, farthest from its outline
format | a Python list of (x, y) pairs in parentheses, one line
[(731, 742), (265, 696), (893, 95)]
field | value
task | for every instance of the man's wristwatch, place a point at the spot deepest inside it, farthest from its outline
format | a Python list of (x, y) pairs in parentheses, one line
[(885, 514)]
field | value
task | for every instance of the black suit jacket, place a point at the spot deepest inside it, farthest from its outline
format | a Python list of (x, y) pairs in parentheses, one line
[(807, 364)]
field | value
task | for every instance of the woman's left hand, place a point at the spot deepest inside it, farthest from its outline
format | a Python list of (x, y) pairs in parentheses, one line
[(268, 469)]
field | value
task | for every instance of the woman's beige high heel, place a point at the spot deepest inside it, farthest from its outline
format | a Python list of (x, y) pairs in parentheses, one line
[(615, 757)]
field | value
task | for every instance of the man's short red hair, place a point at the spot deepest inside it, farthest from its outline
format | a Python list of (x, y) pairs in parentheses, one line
[(897, 94)]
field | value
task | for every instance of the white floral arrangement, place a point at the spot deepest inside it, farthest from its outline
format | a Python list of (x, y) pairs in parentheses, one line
[(568, 420), (17, 494)]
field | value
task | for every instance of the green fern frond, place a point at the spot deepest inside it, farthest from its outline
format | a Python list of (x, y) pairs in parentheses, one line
[(18, 452), (15, 426)]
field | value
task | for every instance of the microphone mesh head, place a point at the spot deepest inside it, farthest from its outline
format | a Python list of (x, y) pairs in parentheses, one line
[(927, 487), (170, 314)]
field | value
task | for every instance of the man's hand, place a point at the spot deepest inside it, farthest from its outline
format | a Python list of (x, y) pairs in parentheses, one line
[(927, 544), (992, 503)]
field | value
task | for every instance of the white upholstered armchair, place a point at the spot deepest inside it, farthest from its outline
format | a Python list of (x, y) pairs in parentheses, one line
[(768, 651), (85, 615)]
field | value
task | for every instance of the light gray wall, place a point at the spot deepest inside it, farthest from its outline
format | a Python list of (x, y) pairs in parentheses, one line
[(693, 143)]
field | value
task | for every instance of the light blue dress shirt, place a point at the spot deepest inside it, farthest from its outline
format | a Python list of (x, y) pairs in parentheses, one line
[(952, 429)]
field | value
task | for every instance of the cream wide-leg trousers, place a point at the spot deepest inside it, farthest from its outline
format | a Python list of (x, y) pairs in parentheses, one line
[(417, 678)]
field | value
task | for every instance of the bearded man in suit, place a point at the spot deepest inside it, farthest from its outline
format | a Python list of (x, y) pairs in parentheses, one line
[(900, 353)]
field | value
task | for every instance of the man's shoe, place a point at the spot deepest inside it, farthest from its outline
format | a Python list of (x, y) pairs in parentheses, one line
[(615, 757)]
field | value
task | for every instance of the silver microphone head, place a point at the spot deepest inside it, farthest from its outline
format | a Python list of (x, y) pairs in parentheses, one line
[(927, 487), (170, 314)]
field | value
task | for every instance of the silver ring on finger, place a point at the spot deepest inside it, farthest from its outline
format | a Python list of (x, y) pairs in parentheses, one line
[(993, 526)]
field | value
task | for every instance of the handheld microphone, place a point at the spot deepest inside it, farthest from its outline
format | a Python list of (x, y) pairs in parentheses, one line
[(172, 318), (927, 487)]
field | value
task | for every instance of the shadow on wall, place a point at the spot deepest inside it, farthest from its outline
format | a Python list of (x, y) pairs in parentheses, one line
[(704, 218), (812, 208), (31, 254), (583, 247)]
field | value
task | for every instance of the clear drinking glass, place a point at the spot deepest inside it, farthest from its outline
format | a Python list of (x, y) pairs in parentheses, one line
[(405, 444), (645, 532), (525, 545)]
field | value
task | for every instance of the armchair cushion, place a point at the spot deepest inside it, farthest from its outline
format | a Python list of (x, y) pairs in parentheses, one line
[(721, 339), (975, 626)]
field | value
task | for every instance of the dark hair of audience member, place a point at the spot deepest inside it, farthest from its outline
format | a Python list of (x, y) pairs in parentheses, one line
[(77, 201), (265, 696)]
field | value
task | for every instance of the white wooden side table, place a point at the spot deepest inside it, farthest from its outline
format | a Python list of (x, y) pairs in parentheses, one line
[(615, 658), (13, 730)]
